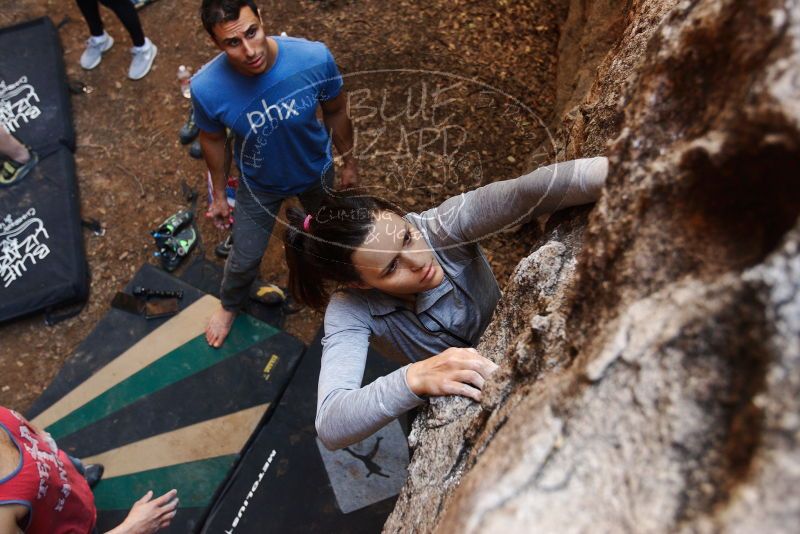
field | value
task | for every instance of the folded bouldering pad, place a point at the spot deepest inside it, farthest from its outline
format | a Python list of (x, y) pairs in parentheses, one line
[(288, 482), (161, 409)]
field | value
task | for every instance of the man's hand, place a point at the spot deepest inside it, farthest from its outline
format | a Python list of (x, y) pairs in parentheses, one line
[(219, 211), (455, 371), (349, 175), (213, 144), (149, 515)]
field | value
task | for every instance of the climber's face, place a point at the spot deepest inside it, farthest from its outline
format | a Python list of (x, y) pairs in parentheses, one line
[(396, 259)]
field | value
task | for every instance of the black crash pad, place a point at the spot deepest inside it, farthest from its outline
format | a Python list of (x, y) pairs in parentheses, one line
[(159, 408), (285, 484), (34, 98), (42, 259)]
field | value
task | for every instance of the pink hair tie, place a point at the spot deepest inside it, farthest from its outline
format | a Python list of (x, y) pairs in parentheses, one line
[(307, 223)]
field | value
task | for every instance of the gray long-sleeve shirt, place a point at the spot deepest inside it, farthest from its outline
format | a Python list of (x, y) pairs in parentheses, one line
[(452, 314)]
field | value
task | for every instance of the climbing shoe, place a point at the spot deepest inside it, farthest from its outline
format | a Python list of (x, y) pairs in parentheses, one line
[(268, 294), (177, 247), (12, 172), (189, 131), (93, 473), (175, 238)]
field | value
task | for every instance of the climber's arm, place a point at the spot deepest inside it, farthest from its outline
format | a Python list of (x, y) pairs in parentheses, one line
[(347, 412), (477, 213)]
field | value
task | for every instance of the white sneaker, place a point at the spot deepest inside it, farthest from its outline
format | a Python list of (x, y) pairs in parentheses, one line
[(143, 57), (95, 48)]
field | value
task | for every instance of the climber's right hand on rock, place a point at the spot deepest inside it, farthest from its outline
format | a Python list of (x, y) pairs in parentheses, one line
[(455, 371)]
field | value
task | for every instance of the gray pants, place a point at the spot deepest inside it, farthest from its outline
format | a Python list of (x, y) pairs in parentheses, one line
[(254, 217)]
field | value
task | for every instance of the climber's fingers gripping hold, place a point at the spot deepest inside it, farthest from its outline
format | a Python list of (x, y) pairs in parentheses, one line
[(465, 390), (455, 371)]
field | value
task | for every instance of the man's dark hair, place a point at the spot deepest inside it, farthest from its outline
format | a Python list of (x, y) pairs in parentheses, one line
[(215, 11)]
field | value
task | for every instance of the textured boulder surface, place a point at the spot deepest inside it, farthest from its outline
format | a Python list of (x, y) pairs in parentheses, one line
[(649, 346)]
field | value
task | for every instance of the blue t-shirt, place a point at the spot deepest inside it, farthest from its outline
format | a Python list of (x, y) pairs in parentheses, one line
[(281, 147)]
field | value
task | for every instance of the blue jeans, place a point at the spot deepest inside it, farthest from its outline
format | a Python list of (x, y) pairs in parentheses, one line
[(78, 464), (254, 216)]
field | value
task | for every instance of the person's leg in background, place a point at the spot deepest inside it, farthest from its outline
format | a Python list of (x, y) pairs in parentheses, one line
[(270, 294), (91, 14), (311, 199), (99, 41), (16, 160), (129, 18), (255, 218), (143, 51)]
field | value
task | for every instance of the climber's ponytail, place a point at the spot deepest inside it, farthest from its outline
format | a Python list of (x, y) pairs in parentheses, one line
[(319, 246)]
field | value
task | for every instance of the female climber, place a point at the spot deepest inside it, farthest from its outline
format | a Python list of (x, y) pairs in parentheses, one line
[(416, 285)]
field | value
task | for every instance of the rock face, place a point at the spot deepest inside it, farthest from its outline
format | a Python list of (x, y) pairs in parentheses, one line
[(649, 346)]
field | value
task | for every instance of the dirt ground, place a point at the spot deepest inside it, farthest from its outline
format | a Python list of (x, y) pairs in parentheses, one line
[(394, 55)]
